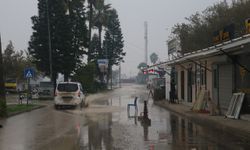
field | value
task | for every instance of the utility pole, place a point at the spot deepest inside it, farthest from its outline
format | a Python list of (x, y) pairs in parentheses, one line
[(120, 75), (146, 41), (49, 43), (2, 88)]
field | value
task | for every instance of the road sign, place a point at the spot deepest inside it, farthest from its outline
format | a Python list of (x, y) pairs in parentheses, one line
[(103, 64), (29, 73)]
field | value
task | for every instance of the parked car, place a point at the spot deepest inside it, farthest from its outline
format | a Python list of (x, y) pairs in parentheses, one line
[(69, 94), (10, 85), (46, 90)]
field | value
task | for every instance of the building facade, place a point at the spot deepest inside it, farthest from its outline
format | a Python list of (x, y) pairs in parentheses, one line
[(221, 70)]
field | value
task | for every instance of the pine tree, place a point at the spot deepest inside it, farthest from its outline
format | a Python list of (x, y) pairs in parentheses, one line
[(38, 45), (94, 52), (153, 58), (68, 36), (14, 62), (77, 37), (113, 41)]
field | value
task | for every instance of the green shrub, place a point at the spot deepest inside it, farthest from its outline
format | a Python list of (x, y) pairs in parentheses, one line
[(86, 75)]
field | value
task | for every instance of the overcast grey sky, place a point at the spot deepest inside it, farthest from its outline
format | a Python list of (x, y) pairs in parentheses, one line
[(161, 15)]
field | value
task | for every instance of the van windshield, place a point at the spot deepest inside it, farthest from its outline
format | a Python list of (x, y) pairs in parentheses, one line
[(67, 87)]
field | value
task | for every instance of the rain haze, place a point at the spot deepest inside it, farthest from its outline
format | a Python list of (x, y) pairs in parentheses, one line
[(197, 99), (161, 16)]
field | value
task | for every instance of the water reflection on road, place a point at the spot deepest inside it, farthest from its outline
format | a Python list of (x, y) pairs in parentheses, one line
[(107, 125), (123, 130)]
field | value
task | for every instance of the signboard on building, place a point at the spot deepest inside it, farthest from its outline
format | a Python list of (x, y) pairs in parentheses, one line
[(227, 33), (173, 46)]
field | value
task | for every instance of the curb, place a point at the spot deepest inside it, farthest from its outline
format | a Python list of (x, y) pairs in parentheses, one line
[(224, 128), (20, 112)]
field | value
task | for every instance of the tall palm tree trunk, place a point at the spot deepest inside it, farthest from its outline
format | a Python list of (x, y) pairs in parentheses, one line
[(100, 39), (2, 88)]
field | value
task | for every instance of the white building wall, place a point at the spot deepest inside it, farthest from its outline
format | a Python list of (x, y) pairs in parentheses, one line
[(178, 69), (209, 77), (167, 88), (185, 85)]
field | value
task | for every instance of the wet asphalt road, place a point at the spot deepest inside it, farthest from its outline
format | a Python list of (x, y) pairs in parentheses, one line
[(105, 125)]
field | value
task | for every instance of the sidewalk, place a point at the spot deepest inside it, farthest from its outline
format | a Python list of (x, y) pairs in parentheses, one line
[(237, 128)]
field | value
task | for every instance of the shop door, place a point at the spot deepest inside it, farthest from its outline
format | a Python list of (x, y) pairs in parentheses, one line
[(225, 85)]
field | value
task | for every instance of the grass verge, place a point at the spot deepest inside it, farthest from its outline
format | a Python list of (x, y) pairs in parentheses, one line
[(19, 108)]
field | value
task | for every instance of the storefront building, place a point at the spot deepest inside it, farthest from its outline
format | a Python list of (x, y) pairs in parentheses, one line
[(221, 70)]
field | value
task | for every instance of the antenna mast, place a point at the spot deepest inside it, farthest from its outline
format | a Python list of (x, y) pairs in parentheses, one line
[(146, 41)]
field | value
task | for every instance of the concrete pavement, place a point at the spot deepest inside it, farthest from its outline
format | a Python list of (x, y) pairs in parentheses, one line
[(237, 128)]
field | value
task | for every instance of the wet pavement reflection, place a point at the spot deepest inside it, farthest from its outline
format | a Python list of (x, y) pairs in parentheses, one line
[(107, 124), (125, 130)]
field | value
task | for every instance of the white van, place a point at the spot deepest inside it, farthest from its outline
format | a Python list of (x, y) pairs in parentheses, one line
[(69, 94)]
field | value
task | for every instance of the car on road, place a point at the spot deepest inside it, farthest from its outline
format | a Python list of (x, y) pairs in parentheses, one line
[(69, 94), (45, 90)]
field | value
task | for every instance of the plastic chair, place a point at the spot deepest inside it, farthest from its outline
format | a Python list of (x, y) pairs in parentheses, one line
[(133, 105)]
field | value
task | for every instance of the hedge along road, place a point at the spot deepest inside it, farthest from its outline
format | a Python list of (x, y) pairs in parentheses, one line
[(106, 124)]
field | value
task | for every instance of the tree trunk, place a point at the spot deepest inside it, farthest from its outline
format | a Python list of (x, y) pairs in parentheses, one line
[(109, 74), (111, 79), (100, 39), (66, 77), (2, 88), (54, 77)]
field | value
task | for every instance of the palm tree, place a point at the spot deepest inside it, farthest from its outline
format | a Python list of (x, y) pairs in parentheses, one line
[(154, 58), (92, 4), (101, 17)]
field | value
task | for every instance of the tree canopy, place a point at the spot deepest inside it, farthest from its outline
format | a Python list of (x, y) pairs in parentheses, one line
[(68, 34), (65, 22), (94, 52), (113, 41), (198, 32), (154, 58), (142, 65), (14, 62)]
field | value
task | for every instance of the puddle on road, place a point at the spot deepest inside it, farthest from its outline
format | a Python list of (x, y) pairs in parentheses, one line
[(123, 130), (106, 125)]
